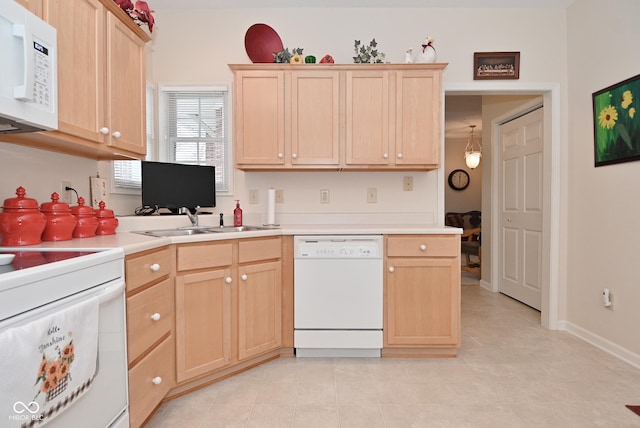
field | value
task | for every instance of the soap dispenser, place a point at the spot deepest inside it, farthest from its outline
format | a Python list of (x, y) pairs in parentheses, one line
[(237, 215)]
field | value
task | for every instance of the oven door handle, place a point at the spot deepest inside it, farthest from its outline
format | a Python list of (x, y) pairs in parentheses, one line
[(111, 292)]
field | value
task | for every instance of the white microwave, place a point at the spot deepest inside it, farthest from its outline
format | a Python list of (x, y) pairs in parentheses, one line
[(28, 71)]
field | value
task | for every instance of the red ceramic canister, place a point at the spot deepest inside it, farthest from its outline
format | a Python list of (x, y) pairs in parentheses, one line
[(87, 220), (60, 221), (21, 223), (107, 221)]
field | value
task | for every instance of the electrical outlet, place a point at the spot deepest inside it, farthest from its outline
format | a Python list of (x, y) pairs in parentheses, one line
[(254, 196), (407, 183), (279, 196), (66, 196), (324, 196), (372, 195)]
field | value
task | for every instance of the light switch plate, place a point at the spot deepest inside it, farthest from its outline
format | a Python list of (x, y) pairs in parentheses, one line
[(324, 196), (98, 191), (372, 195)]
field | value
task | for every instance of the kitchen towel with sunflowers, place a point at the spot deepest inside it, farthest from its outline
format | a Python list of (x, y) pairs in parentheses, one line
[(48, 361)]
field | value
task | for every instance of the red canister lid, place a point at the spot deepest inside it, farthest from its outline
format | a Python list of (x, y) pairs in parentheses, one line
[(102, 212), (21, 202), (54, 206), (81, 209)]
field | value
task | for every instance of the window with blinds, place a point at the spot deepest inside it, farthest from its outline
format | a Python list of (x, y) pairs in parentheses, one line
[(195, 129)]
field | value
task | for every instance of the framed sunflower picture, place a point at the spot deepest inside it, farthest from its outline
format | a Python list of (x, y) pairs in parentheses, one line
[(616, 123)]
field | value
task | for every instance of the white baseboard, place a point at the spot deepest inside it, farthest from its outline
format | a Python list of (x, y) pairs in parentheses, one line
[(487, 286), (601, 343)]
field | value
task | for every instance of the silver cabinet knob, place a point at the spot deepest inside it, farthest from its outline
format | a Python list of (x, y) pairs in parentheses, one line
[(244, 277), (156, 317), (155, 267), (228, 280), (386, 155), (116, 134), (295, 156), (423, 247), (399, 155), (104, 131), (391, 269), (156, 380), (280, 155)]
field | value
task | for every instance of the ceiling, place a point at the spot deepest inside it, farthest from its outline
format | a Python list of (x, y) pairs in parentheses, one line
[(461, 111), (223, 4)]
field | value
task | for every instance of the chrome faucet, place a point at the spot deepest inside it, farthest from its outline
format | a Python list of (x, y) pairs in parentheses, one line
[(192, 217)]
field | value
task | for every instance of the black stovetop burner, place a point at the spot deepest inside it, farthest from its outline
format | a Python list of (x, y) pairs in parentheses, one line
[(27, 259)]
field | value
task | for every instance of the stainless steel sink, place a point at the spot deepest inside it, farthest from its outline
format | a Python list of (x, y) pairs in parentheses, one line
[(174, 232), (196, 230), (240, 228)]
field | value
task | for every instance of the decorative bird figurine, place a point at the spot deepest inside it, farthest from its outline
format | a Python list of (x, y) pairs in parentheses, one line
[(408, 57), (428, 52)]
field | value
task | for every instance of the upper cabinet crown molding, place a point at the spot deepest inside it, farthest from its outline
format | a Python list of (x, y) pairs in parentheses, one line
[(337, 116)]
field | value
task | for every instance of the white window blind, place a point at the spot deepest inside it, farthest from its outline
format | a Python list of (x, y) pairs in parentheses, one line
[(195, 129)]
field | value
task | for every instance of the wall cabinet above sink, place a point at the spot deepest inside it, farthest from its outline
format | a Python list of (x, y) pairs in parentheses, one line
[(355, 117)]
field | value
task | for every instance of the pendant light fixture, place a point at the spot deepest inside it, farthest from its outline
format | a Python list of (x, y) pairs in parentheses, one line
[(473, 151)]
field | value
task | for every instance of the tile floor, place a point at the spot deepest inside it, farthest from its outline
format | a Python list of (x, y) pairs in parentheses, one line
[(510, 372)]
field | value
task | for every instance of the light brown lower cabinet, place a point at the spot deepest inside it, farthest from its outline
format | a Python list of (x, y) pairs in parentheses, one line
[(150, 340), (203, 322), (228, 304), (422, 295)]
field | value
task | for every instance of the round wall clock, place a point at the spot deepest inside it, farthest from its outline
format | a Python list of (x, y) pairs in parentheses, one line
[(459, 179)]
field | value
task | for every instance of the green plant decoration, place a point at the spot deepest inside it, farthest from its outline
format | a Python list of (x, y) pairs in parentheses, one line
[(367, 54), (284, 56)]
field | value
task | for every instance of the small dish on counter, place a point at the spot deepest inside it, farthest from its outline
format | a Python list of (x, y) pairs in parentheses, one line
[(5, 259)]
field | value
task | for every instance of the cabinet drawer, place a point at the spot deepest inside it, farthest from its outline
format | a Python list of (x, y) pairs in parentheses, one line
[(144, 394), (259, 249), (423, 246), (142, 329), (144, 269), (204, 256)]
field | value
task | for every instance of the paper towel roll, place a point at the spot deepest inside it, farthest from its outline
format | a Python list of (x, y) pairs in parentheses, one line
[(271, 207)]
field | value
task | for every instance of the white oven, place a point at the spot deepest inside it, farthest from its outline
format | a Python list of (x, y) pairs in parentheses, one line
[(338, 295), (62, 339)]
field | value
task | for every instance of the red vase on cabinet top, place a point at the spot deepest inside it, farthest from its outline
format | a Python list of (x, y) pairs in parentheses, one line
[(21, 223), (87, 220), (60, 221)]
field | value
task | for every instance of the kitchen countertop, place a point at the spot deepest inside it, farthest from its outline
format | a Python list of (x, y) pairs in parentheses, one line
[(132, 242)]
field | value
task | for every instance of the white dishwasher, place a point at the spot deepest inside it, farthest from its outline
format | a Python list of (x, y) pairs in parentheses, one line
[(338, 293)]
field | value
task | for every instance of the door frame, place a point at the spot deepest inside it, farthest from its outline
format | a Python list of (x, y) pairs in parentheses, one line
[(550, 92)]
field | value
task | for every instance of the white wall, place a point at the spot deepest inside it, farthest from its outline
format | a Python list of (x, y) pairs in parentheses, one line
[(41, 173), (603, 202)]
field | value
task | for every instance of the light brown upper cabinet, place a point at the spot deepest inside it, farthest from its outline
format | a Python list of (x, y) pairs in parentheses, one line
[(101, 81), (355, 117)]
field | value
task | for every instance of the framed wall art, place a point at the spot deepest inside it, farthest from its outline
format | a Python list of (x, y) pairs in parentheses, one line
[(616, 125), (496, 65)]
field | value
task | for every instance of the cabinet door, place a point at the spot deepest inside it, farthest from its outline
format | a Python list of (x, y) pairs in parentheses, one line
[(417, 138), (259, 309), (203, 322), (367, 118), (259, 117), (81, 53), (126, 87), (315, 118), (422, 302), (33, 6)]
